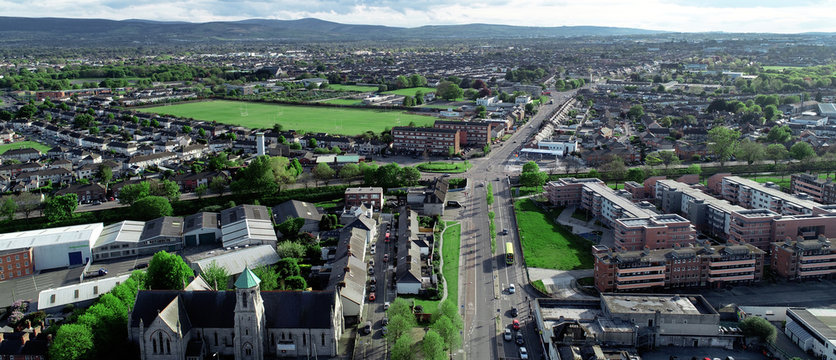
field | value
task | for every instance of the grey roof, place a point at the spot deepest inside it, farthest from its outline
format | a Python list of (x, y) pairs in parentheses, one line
[(362, 222), (123, 231), (241, 212), (295, 209), (234, 262), (201, 220), (167, 226)]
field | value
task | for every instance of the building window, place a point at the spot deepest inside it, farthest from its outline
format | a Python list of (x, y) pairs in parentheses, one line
[(323, 339), (167, 346), (75, 293), (155, 345)]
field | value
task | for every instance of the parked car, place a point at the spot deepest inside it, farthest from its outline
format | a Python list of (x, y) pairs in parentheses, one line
[(507, 335), (386, 305), (373, 288), (385, 320), (371, 270), (520, 340), (367, 329), (372, 296), (512, 289), (523, 353), (514, 312), (373, 249), (95, 273), (384, 331), (516, 324)]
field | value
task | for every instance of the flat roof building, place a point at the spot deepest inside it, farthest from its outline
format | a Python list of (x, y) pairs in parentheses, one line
[(247, 225), (813, 330), (118, 240), (654, 232), (55, 247), (804, 259)]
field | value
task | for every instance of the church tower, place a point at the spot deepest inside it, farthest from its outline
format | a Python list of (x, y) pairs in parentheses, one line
[(250, 325)]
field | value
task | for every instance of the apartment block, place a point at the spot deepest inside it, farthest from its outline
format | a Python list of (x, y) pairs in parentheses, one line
[(804, 258), (370, 196), (474, 133), (761, 227), (654, 232), (16, 263), (430, 140), (753, 195), (679, 266), (820, 190), (597, 198), (707, 213)]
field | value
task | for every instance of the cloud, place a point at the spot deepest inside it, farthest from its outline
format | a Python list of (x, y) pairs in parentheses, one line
[(779, 16)]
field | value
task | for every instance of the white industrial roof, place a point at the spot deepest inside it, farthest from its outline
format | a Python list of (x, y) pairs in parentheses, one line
[(235, 262), (124, 231), (52, 236), (86, 291)]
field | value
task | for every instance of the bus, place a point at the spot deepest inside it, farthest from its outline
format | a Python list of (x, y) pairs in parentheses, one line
[(509, 253)]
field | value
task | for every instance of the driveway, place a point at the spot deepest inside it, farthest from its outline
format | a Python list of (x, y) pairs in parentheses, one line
[(560, 282)]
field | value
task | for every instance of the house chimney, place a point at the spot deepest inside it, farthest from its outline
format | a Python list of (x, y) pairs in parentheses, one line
[(259, 139)]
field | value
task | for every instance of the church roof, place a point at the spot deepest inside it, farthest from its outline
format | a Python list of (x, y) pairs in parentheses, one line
[(247, 280)]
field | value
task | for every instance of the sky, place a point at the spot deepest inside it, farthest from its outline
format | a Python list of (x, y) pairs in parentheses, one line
[(775, 16)]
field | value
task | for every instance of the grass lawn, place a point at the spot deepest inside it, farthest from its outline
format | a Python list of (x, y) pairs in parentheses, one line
[(548, 245), (343, 101), (785, 183), (526, 190), (307, 118), (506, 137), (446, 167), (450, 270), (538, 284), (780, 68), (330, 204), (357, 88), (410, 91), (24, 144)]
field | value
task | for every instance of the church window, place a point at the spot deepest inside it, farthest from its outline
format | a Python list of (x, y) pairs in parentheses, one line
[(246, 331), (155, 345), (282, 336), (244, 299), (167, 346)]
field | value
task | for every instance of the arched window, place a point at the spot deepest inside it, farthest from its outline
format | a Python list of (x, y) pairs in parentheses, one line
[(155, 345), (160, 336), (244, 299), (167, 346)]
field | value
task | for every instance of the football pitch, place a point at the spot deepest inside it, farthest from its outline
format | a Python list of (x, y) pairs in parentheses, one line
[(307, 118)]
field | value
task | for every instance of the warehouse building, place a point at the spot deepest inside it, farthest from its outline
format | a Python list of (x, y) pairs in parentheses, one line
[(55, 247)]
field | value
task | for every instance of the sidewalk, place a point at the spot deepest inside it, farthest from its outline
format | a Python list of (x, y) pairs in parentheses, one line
[(578, 226)]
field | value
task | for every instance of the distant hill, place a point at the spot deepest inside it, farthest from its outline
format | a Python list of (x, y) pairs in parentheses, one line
[(17, 30)]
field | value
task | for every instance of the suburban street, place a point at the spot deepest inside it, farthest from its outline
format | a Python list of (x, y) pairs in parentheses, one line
[(374, 345)]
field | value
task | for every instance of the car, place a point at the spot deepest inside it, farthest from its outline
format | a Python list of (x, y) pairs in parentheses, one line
[(512, 289), (367, 328), (373, 281), (385, 320), (97, 202), (372, 287), (387, 236), (371, 270), (372, 296), (371, 262), (514, 312), (372, 250), (504, 231), (384, 331), (141, 266), (385, 257), (520, 340), (445, 175), (515, 324), (523, 353), (386, 305), (507, 335)]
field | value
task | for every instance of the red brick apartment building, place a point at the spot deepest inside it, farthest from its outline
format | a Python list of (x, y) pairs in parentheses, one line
[(654, 232), (821, 190), (761, 227), (712, 266), (431, 140), (596, 197), (16, 263), (364, 195), (804, 258), (476, 133)]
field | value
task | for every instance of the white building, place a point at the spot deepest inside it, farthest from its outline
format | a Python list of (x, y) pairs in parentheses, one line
[(235, 261), (247, 225), (55, 247), (55, 299), (118, 240), (486, 101), (809, 120), (813, 330), (522, 100)]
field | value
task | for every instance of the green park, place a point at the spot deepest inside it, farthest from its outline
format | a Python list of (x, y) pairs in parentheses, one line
[(22, 145)]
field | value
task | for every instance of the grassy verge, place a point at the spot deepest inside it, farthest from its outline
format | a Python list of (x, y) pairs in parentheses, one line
[(24, 144), (410, 91), (547, 244), (490, 193), (450, 270), (491, 215), (343, 102), (330, 204), (357, 88), (445, 167), (526, 190), (538, 284), (506, 137)]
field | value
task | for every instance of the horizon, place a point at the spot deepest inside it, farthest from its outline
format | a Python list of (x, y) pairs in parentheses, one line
[(742, 16)]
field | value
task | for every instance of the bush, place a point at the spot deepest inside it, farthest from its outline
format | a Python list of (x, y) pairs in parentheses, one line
[(760, 327)]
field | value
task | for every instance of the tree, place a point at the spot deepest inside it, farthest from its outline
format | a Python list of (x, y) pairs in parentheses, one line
[(433, 346), (448, 331), (779, 134), (750, 151), (760, 327), (777, 152), (409, 176), (770, 112), (167, 272), (290, 249), (451, 311), (349, 171), (722, 142), (295, 283), (615, 168), (151, 207), (530, 167), (802, 151), (636, 174), (217, 277), (402, 349), (105, 175), (83, 120), (219, 162), (217, 184), (72, 342), (201, 190), (28, 202), (263, 175), (653, 159), (8, 208), (60, 207), (187, 129), (166, 188), (129, 194), (448, 90), (533, 178), (287, 267), (26, 111), (323, 172), (408, 101), (695, 169), (635, 112), (312, 143), (417, 80), (269, 277), (290, 227)]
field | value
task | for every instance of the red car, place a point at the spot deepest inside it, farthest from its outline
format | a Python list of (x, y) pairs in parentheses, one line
[(516, 324), (387, 237), (372, 297)]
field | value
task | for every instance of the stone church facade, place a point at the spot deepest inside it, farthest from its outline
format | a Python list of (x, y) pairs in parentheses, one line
[(243, 324)]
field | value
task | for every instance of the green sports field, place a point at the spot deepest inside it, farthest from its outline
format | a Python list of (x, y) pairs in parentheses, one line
[(307, 118), (24, 144), (357, 88), (410, 91)]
